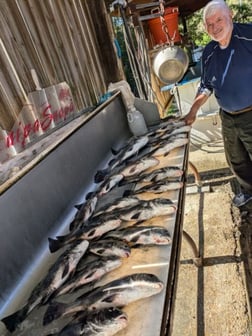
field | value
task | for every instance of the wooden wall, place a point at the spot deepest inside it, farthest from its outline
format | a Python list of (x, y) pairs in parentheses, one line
[(63, 40)]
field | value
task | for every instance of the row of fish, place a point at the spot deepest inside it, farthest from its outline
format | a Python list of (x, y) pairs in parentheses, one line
[(100, 237)]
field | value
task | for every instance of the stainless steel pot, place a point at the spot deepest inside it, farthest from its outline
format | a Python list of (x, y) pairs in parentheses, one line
[(170, 64)]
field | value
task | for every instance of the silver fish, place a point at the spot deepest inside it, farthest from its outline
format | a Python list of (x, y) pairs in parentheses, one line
[(139, 166), (93, 229), (105, 322), (119, 203), (110, 247), (110, 183), (131, 148), (168, 147), (130, 170), (84, 213), (148, 209), (143, 235), (156, 188), (161, 174), (156, 175), (57, 275), (117, 293), (90, 272)]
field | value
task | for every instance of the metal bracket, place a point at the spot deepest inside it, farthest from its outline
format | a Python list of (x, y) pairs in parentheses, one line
[(197, 260)]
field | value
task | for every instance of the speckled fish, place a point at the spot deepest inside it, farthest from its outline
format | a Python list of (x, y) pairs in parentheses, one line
[(156, 175), (93, 229), (110, 247), (131, 149), (60, 271), (84, 212), (117, 293), (130, 170), (182, 129), (143, 235), (139, 166), (156, 188), (90, 272), (110, 183), (168, 147), (166, 126), (119, 203), (105, 322), (147, 209)]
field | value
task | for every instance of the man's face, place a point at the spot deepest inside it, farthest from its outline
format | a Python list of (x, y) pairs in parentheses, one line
[(219, 26)]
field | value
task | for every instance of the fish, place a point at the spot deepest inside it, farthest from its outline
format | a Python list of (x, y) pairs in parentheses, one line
[(143, 235), (92, 230), (119, 203), (147, 209), (117, 293), (89, 272), (128, 151), (166, 126), (110, 183), (131, 169), (156, 175), (168, 147), (84, 212), (59, 272), (139, 166), (156, 188), (104, 322), (182, 129), (110, 247)]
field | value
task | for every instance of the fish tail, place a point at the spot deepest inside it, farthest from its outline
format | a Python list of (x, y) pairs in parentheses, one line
[(78, 206), (54, 311), (55, 244), (127, 193), (89, 195), (100, 175), (12, 321)]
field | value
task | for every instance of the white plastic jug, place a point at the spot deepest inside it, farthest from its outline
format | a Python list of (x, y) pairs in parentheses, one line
[(136, 122)]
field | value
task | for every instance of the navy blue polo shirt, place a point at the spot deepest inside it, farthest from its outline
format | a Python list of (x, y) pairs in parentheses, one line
[(228, 72)]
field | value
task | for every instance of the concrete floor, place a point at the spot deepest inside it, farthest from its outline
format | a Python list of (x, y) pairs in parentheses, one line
[(213, 299)]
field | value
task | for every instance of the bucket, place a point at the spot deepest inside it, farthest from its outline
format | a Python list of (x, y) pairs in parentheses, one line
[(171, 20)]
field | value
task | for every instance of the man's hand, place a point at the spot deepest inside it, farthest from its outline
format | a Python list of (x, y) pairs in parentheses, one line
[(198, 102), (190, 118)]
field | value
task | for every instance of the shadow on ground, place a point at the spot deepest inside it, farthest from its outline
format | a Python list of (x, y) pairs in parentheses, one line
[(217, 180)]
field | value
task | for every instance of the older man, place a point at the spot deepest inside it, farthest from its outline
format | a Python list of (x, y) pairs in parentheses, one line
[(227, 72)]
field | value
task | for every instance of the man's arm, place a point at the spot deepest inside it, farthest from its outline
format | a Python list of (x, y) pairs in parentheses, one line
[(200, 99)]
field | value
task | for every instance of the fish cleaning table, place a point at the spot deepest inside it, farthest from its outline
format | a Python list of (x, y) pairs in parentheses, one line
[(43, 199)]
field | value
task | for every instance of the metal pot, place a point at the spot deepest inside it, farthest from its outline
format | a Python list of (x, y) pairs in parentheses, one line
[(170, 64)]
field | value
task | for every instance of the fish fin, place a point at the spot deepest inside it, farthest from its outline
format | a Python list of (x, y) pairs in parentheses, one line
[(12, 321), (100, 175), (128, 193), (78, 206), (114, 151), (54, 244), (111, 162), (54, 311), (65, 271), (89, 195)]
